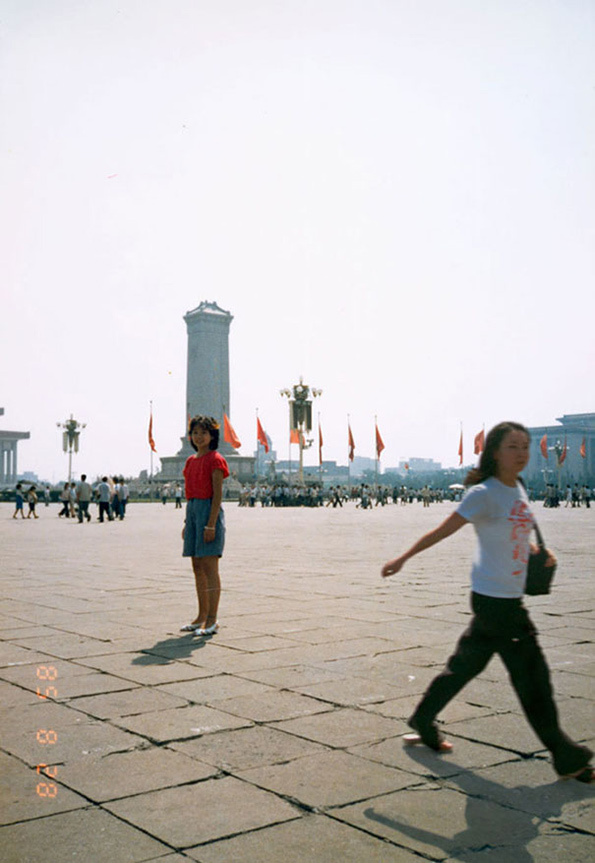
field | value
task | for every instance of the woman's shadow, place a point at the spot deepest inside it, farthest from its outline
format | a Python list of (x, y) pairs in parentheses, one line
[(170, 649), (497, 816)]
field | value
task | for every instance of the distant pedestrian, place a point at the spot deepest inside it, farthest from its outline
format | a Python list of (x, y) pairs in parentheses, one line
[(72, 499), (123, 496), (115, 498), (65, 499), (178, 496), (32, 501), (498, 507), (204, 526), (84, 494), (104, 494), (46, 495), (19, 501)]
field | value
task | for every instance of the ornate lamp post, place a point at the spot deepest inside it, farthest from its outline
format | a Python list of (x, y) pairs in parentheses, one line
[(70, 439), (559, 450), (300, 416)]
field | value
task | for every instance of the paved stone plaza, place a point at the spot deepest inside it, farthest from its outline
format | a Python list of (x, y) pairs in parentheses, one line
[(279, 738)]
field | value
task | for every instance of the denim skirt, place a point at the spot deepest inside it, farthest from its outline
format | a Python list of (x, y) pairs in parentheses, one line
[(197, 515)]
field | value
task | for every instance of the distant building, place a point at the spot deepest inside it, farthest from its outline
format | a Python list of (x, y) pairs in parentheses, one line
[(419, 465), (361, 464), (8, 454), (573, 430), (264, 459)]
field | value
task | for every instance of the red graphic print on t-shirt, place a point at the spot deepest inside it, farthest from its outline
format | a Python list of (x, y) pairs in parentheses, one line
[(522, 524)]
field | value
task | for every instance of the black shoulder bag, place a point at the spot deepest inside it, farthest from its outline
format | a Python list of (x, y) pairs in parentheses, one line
[(539, 576)]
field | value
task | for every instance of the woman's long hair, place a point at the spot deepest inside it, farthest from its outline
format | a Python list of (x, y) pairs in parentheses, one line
[(209, 424), (488, 466)]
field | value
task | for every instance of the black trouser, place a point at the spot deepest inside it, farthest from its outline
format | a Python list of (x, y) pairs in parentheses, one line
[(503, 626), (104, 510), (84, 510)]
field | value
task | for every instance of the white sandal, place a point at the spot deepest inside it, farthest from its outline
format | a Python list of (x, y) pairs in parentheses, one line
[(190, 627), (208, 630)]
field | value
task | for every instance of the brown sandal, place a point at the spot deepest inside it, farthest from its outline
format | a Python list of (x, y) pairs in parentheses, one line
[(585, 774)]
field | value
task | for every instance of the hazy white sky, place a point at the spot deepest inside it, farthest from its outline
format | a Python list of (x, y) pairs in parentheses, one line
[(394, 199)]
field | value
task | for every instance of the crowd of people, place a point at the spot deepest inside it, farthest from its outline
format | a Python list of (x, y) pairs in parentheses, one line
[(365, 495), (573, 495), (110, 494)]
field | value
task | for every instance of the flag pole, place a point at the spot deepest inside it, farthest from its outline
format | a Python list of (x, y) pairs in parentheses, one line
[(151, 448), (376, 451), (348, 458), (319, 452), (257, 472)]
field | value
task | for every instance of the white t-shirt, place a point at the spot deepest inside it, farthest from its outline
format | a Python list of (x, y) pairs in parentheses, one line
[(503, 522)]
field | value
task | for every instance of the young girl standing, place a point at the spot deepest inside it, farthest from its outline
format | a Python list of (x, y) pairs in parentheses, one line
[(498, 507), (204, 526)]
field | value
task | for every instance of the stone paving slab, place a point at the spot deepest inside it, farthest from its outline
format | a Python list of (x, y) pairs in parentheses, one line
[(239, 750), (328, 779), (440, 822), (27, 793), (130, 702), (180, 723), (312, 838), (528, 785), (86, 834), (124, 774), (274, 706), (218, 688), (171, 747), (343, 727), (144, 669), (550, 846), (62, 743), (403, 707), (425, 762), (192, 814)]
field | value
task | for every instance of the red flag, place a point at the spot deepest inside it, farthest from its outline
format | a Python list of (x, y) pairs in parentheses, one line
[(379, 442), (151, 441), (564, 451), (479, 442), (229, 435), (583, 449), (294, 436), (543, 446), (461, 448), (320, 442), (260, 435), (350, 443)]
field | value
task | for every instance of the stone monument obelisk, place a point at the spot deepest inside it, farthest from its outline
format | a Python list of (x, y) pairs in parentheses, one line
[(207, 385), (207, 374)]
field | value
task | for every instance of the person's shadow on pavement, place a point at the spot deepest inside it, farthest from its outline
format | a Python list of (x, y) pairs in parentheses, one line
[(170, 649), (498, 817)]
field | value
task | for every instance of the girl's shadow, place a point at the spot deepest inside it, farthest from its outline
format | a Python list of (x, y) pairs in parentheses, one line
[(169, 649), (497, 816)]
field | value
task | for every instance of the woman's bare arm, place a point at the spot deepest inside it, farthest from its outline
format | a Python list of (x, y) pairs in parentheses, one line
[(449, 526)]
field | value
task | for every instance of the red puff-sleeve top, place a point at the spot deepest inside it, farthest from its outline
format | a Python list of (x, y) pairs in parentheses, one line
[(198, 474)]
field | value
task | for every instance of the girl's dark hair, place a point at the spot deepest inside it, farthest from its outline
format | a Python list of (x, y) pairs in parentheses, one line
[(488, 466), (209, 424)]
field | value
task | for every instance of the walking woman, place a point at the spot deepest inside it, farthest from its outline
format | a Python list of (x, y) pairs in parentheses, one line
[(204, 527), (498, 507)]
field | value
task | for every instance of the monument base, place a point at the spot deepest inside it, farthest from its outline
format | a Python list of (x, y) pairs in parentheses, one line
[(241, 467)]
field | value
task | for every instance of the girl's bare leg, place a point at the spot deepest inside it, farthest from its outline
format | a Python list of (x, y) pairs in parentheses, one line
[(211, 570), (202, 590)]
